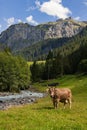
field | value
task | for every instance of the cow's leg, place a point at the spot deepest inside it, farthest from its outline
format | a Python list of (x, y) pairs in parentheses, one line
[(65, 102), (55, 103), (64, 105), (70, 102)]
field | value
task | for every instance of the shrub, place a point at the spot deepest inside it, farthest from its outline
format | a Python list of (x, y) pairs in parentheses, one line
[(82, 67), (14, 73)]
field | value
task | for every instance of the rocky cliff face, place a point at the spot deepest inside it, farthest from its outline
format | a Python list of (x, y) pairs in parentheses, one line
[(22, 35)]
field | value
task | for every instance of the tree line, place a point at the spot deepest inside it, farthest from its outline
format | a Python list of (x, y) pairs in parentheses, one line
[(69, 58), (60, 65), (14, 72)]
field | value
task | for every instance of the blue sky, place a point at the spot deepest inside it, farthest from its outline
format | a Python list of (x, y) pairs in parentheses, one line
[(36, 12)]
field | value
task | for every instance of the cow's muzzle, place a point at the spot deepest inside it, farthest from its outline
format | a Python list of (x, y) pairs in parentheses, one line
[(51, 96)]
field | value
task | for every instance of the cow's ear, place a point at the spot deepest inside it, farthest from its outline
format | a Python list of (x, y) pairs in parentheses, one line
[(53, 88), (47, 90)]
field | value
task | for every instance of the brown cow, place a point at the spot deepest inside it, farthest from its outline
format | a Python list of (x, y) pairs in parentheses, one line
[(63, 95)]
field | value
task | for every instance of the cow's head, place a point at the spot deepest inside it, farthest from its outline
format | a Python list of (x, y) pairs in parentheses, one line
[(51, 92)]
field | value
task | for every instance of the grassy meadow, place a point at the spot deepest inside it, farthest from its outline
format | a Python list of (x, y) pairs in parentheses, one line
[(31, 62), (42, 116)]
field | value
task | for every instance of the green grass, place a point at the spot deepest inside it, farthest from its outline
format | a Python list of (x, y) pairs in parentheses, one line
[(31, 62), (42, 115)]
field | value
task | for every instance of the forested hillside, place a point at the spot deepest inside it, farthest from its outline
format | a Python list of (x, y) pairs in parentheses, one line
[(40, 50), (64, 45), (69, 59)]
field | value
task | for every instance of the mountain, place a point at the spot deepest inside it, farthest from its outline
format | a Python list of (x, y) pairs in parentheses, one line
[(23, 35), (66, 46)]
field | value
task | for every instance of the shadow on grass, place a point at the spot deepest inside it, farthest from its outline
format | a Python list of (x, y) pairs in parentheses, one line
[(43, 108)]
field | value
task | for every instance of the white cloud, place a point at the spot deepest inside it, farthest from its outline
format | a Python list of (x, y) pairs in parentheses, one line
[(37, 3), (30, 20), (0, 26), (77, 18), (13, 20), (53, 8), (10, 21), (19, 20), (31, 8), (85, 2)]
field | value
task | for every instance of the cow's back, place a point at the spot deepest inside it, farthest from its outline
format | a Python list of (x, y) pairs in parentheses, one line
[(63, 93)]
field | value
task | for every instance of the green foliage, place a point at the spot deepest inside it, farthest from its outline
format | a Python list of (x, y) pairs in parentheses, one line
[(36, 71), (82, 67), (48, 66), (39, 50), (60, 64), (66, 46), (14, 72), (52, 68), (76, 57)]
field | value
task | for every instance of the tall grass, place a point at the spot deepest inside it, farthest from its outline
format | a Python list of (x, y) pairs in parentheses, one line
[(42, 115)]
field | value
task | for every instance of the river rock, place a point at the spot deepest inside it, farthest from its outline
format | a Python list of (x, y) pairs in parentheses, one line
[(25, 97)]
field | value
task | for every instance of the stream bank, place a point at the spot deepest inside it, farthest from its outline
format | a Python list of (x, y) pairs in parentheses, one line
[(24, 97)]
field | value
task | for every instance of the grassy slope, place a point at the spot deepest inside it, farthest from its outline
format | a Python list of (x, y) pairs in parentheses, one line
[(42, 116)]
